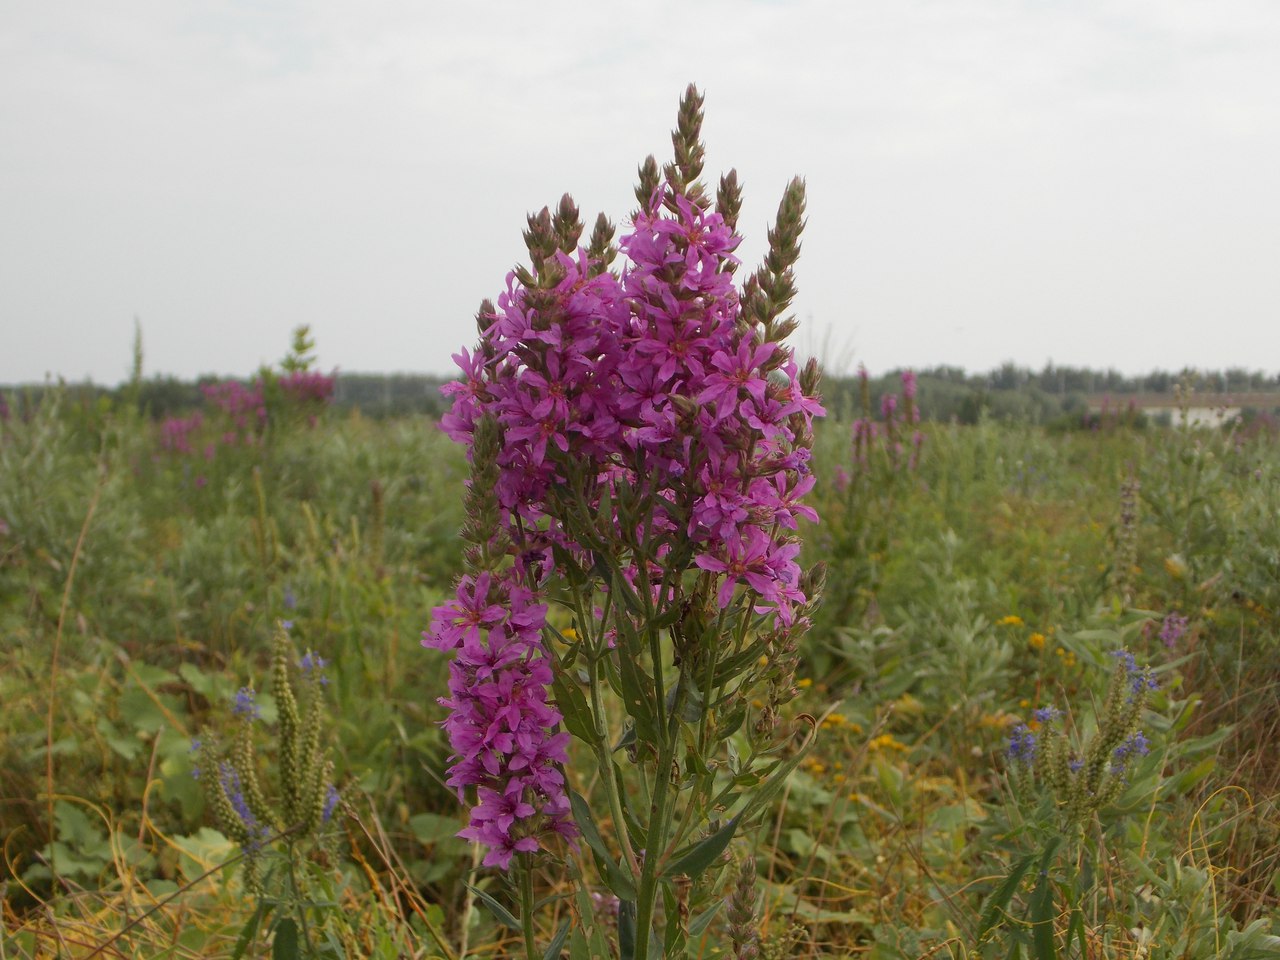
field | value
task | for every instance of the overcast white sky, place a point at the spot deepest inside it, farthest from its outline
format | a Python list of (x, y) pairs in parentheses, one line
[(1095, 183)]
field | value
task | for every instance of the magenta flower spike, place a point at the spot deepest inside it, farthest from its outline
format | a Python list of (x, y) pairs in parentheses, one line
[(639, 438)]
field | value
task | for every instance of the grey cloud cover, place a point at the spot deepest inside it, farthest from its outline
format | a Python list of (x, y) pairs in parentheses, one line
[(1088, 182)]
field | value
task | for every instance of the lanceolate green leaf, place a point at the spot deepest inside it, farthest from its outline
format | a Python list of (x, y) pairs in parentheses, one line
[(500, 913), (618, 878), (999, 900), (557, 942), (693, 860), (574, 712)]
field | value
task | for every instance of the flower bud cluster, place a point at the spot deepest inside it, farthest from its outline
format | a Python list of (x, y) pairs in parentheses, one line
[(744, 921), (1086, 779), (308, 796)]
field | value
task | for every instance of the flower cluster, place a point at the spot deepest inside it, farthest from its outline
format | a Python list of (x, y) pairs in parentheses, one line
[(1022, 745), (176, 433), (1173, 629), (651, 413), (500, 721), (237, 414), (649, 380), (242, 405), (246, 704), (878, 444), (1137, 679), (1086, 778), (308, 387)]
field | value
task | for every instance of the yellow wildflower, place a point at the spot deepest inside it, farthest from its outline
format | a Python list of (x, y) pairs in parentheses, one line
[(1036, 641), (886, 741), (1012, 620), (804, 683)]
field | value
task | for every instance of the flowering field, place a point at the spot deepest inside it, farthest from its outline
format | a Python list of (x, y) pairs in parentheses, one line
[(640, 651), (974, 610)]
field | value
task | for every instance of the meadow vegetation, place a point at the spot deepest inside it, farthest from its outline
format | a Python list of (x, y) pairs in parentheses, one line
[(978, 580), (993, 689)]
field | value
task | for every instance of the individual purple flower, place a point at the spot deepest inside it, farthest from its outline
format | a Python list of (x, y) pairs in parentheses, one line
[(1137, 745), (1140, 679), (331, 798), (1047, 714), (229, 777), (194, 752), (1022, 745), (246, 704)]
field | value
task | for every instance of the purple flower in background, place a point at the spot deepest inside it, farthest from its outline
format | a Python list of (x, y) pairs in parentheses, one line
[(176, 432), (1139, 678), (1137, 745), (230, 780), (1022, 745), (312, 664), (331, 799), (1047, 714), (246, 704), (1173, 629)]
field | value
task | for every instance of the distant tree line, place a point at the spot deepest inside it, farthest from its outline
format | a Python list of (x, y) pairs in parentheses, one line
[(1008, 392), (1052, 395)]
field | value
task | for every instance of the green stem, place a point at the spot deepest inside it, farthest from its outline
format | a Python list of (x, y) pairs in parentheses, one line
[(647, 895), (526, 907), (602, 748), (647, 892), (295, 892)]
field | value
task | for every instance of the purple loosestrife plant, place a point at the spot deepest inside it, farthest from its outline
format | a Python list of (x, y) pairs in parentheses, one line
[(858, 526), (639, 438)]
